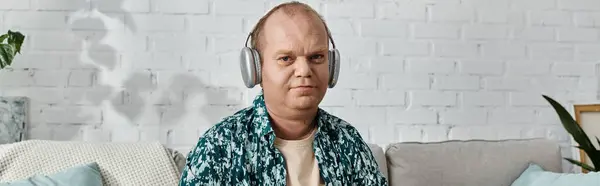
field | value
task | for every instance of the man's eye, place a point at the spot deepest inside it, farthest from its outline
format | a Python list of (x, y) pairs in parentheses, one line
[(285, 58), (316, 57)]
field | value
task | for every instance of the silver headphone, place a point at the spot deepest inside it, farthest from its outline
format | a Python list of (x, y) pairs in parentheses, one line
[(251, 69)]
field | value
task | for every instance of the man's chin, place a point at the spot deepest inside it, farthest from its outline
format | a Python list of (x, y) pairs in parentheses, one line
[(304, 102)]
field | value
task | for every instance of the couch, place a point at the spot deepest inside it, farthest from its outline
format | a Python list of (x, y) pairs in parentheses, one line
[(449, 163), (464, 163), (141, 163)]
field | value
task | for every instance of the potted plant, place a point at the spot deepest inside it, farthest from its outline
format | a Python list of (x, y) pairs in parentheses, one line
[(10, 46), (11, 130), (584, 143)]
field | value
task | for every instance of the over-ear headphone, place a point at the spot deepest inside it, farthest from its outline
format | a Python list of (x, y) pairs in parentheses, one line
[(251, 69)]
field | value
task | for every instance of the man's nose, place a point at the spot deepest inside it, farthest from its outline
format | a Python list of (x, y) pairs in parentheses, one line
[(302, 66)]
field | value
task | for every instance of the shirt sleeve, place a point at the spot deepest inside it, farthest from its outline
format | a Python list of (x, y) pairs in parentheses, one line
[(367, 171), (202, 164)]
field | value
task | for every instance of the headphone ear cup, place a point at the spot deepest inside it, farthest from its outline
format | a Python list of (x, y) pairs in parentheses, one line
[(250, 67), (334, 67), (257, 65)]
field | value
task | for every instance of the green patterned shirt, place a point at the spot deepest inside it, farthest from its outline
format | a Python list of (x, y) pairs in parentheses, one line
[(239, 151)]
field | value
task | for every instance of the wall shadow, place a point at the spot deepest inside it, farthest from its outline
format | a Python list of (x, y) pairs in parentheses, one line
[(135, 104)]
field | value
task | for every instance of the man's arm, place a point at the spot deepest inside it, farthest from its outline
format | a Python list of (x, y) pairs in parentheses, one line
[(366, 170), (202, 164)]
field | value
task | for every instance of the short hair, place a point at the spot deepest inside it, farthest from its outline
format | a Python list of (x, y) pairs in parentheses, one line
[(290, 8)]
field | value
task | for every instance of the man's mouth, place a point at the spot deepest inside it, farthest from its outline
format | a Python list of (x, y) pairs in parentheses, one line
[(303, 87)]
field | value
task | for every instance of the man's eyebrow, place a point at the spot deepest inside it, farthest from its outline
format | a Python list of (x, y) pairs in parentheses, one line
[(283, 51), (320, 49)]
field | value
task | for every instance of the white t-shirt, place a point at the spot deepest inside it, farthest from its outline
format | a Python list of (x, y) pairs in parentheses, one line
[(301, 165)]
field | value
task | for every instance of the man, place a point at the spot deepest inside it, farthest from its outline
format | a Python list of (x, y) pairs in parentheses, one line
[(284, 138)]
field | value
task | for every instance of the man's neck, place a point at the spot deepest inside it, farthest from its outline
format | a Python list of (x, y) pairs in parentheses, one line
[(294, 127)]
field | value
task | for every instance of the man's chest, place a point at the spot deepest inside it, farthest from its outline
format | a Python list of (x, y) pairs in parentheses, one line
[(260, 163)]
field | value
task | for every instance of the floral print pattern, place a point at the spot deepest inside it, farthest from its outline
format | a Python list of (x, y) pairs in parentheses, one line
[(239, 150)]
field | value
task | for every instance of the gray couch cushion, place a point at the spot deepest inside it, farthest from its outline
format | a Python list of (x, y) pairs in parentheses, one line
[(178, 158), (468, 163), (380, 158)]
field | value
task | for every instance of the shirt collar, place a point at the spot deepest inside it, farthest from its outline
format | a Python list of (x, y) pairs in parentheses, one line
[(261, 120)]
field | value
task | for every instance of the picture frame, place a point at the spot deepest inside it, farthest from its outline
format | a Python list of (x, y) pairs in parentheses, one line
[(588, 117)]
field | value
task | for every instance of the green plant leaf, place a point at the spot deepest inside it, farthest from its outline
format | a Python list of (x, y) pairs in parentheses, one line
[(582, 165), (3, 37), (9, 49), (16, 39), (592, 153), (7, 54), (570, 124), (576, 131)]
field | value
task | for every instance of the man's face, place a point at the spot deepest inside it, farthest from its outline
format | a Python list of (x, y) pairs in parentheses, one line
[(295, 66)]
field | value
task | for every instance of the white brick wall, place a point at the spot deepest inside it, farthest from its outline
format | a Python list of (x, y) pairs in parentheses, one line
[(128, 70)]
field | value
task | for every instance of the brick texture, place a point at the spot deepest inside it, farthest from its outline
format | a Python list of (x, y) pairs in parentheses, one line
[(426, 70)]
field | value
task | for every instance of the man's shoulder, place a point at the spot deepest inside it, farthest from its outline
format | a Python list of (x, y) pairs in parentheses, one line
[(340, 126)]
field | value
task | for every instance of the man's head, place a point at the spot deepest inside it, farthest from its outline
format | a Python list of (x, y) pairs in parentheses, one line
[(292, 41)]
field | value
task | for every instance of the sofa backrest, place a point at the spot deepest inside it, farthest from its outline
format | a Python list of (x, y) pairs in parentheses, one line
[(468, 163), (380, 158)]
